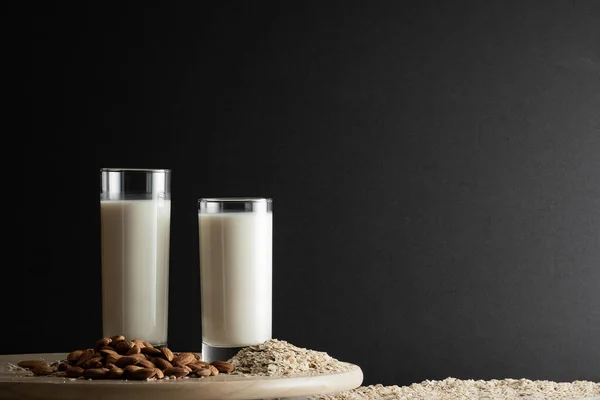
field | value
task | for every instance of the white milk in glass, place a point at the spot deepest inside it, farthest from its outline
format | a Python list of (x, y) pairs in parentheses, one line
[(135, 268), (235, 277)]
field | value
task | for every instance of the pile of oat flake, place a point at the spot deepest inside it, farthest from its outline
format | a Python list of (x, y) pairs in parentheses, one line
[(457, 389), (280, 358)]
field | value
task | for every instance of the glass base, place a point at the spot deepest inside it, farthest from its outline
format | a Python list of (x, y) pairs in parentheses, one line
[(212, 353)]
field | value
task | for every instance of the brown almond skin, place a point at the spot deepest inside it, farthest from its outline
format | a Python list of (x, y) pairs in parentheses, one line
[(213, 370), (42, 369), (127, 360), (203, 372), (198, 357), (142, 373), (123, 346), (167, 354), (161, 363), (182, 359), (115, 373), (135, 349), (145, 363), (130, 368), (177, 372), (103, 342), (110, 366), (115, 339), (95, 362), (62, 367), (112, 358), (196, 366), (87, 354), (107, 351), (139, 343), (223, 366), (74, 372), (95, 373), (151, 351), (147, 344), (158, 373), (29, 364), (74, 355)]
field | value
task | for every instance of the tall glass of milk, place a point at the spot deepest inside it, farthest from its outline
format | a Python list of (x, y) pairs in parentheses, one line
[(135, 209), (235, 274)]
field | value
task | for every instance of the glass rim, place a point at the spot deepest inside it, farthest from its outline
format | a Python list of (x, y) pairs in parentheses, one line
[(134, 170), (235, 200)]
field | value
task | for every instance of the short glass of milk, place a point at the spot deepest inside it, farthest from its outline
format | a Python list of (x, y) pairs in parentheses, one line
[(235, 274), (135, 210)]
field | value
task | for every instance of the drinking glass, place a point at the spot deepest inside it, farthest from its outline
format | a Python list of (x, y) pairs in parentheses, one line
[(135, 208)]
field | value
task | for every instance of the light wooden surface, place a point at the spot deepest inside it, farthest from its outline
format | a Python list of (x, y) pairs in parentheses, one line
[(14, 385)]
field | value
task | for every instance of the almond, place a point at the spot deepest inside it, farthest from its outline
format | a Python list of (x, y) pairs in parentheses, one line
[(198, 356), (115, 373), (213, 370), (139, 343), (74, 372), (142, 373), (223, 366), (62, 367), (130, 368), (103, 342), (112, 358), (198, 365), (110, 366), (95, 362), (158, 373), (167, 354), (161, 363), (147, 344), (127, 360), (145, 363), (109, 351), (87, 354), (30, 363), (95, 373), (177, 372), (74, 355), (123, 346), (116, 338), (42, 369), (182, 359), (151, 351), (203, 372), (135, 349)]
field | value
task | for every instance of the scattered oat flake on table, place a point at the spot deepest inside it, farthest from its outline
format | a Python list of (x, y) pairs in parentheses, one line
[(456, 389), (279, 358), (15, 368)]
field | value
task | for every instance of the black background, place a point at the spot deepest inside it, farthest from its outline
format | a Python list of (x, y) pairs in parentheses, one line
[(434, 167)]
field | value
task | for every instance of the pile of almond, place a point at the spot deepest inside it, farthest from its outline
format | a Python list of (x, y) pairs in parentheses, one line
[(118, 358)]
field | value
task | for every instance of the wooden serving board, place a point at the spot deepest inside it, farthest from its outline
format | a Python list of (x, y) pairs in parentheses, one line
[(15, 385)]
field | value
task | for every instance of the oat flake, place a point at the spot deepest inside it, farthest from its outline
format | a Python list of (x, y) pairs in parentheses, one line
[(456, 389), (280, 358), (15, 368)]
